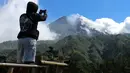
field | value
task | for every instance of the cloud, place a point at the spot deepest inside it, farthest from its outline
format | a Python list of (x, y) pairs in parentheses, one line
[(103, 24), (9, 21), (127, 25), (46, 33)]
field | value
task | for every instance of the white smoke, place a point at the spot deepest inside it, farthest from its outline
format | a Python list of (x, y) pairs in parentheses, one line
[(103, 24), (9, 21)]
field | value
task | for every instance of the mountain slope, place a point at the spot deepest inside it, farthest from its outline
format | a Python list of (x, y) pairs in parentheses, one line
[(87, 54), (63, 27)]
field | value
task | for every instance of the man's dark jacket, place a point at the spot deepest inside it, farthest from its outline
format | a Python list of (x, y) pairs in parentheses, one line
[(29, 29)]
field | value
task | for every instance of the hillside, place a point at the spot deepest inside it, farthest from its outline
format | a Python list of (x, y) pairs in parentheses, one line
[(87, 50)]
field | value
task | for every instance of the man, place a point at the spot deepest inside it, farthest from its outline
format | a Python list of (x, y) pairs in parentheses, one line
[(28, 35)]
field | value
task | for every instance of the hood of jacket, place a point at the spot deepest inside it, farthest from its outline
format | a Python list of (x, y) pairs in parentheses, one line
[(31, 7)]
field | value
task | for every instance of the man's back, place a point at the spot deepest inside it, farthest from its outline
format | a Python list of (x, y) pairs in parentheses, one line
[(28, 26)]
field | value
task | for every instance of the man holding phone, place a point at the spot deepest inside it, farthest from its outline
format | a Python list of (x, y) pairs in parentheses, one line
[(28, 35)]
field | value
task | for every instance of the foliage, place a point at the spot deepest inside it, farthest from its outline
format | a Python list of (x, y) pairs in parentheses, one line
[(102, 53)]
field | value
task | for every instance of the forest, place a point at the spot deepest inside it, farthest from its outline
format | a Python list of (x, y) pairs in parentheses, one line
[(84, 54)]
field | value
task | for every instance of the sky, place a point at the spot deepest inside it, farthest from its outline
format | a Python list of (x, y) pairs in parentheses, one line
[(117, 10), (111, 16)]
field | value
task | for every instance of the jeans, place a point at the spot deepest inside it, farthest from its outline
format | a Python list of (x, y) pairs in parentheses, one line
[(26, 51)]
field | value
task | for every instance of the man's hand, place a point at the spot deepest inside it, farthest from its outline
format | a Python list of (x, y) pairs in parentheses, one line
[(43, 11), (43, 17)]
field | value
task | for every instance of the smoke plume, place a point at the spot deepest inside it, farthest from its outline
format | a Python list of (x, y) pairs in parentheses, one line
[(103, 24)]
